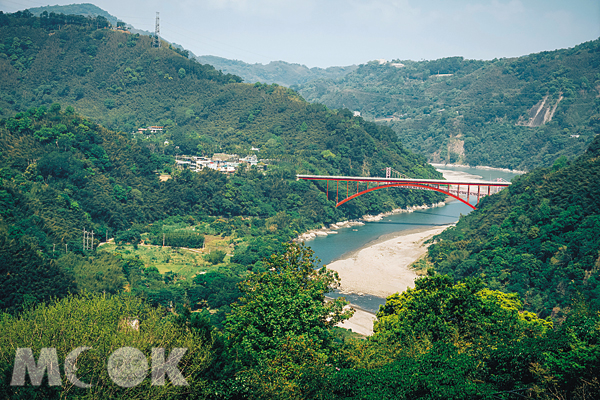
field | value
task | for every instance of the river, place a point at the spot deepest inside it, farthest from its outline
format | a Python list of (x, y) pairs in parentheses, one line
[(349, 240)]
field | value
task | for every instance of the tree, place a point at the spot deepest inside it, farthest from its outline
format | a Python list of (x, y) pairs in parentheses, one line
[(284, 302), (109, 103), (99, 274), (215, 257), (26, 277), (465, 314), (132, 236)]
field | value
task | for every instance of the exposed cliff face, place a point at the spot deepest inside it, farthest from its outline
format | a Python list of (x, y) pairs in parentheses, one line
[(453, 153), (516, 113), (542, 112)]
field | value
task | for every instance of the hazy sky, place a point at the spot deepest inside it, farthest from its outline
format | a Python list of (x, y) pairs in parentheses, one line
[(342, 32)]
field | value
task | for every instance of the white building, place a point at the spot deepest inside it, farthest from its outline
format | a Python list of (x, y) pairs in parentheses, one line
[(252, 160), (155, 129)]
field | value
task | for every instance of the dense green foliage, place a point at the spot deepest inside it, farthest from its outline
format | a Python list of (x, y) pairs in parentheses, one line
[(279, 72), (440, 340), (287, 300), (463, 341), (26, 277), (202, 110), (466, 313), (84, 9), (104, 324), (259, 328), (538, 238), (61, 173), (70, 173), (516, 113)]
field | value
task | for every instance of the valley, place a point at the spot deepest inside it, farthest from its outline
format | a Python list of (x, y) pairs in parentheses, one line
[(197, 221)]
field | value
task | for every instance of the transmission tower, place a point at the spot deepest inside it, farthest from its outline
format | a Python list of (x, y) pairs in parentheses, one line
[(156, 42)]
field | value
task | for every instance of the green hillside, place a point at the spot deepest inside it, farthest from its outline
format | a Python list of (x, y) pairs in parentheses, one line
[(538, 238), (202, 265), (279, 72), (121, 82), (62, 172), (84, 9), (514, 113)]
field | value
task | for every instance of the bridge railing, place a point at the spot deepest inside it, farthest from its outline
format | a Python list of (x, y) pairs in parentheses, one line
[(453, 188)]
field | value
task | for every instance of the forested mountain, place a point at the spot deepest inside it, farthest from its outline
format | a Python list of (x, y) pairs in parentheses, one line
[(62, 173), (121, 82), (279, 72), (538, 238), (252, 316), (83, 9), (278, 343), (90, 11), (514, 113)]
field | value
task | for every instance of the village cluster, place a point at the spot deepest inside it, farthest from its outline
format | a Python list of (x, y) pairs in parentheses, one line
[(227, 163), (222, 162)]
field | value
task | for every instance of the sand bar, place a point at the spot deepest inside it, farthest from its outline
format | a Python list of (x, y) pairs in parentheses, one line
[(381, 269), (361, 322)]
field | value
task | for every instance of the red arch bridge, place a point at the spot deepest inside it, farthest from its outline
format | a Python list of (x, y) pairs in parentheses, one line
[(358, 185)]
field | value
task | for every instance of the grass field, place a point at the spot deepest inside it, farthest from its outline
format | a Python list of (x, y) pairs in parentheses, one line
[(185, 262)]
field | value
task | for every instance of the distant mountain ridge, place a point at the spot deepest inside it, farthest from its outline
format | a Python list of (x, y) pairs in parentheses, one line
[(516, 113), (279, 72), (538, 238), (122, 82), (85, 9), (90, 10), (102, 78)]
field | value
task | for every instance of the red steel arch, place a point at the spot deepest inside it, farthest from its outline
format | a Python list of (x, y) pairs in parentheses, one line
[(411, 183), (414, 185)]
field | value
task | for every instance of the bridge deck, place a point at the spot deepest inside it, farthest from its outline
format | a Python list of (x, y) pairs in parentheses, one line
[(401, 180), (453, 187)]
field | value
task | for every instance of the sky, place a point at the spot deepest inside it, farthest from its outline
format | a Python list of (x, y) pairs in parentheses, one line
[(323, 33)]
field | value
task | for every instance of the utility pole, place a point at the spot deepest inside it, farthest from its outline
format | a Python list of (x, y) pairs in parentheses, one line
[(83, 245), (156, 42), (92, 242), (163, 239)]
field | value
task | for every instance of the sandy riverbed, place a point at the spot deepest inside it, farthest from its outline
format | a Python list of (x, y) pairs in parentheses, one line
[(361, 322), (381, 269)]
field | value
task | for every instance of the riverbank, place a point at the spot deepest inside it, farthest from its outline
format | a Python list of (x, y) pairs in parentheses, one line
[(512, 171), (333, 228), (361, 322), (381, 269)]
